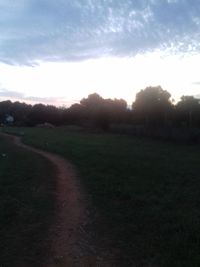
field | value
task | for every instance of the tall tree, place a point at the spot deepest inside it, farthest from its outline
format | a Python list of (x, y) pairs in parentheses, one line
[(152, 105), (101, 112), (188, 110)]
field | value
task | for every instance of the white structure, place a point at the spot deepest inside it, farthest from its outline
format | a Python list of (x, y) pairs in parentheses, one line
[(9, 119)]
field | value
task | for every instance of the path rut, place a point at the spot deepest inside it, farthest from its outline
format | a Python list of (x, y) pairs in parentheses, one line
[(67, 231)]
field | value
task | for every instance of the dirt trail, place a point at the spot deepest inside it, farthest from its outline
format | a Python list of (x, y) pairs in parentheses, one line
[(68, 237)]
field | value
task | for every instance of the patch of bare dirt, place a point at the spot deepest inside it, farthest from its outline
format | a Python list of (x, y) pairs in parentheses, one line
[(72, 244)]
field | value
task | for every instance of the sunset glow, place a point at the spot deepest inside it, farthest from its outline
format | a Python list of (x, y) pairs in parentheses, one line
[(57, 52), (63, 83)]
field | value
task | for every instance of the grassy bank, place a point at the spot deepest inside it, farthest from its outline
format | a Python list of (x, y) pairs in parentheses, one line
[(26, 206), (147, 192)]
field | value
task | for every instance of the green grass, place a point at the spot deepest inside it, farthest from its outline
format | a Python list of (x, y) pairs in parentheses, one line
[(146, 192), (26, 206)]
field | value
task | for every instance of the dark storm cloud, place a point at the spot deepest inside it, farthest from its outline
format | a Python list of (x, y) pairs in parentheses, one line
[(35, 30)]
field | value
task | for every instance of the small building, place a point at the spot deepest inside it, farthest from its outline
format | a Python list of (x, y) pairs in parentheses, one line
[(9, 120)]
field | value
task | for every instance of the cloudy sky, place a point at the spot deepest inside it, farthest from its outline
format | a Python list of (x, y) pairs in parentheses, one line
[(60, 51)]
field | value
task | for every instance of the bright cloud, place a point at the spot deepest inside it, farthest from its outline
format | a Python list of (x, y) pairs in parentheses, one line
[(57, 51), (74, 30), (110, 77)]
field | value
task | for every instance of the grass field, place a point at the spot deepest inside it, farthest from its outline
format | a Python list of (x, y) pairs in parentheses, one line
[(26, 206), (146, 192)]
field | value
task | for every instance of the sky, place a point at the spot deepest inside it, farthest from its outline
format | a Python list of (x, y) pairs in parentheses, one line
[(57, 52)]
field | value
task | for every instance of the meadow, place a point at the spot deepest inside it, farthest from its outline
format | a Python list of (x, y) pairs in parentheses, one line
[(145, 193), (26, 206)]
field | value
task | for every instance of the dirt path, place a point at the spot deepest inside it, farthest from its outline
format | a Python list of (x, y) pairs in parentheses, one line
[(70, 242)]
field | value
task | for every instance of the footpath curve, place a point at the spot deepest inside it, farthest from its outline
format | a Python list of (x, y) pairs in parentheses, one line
[(71, 214)]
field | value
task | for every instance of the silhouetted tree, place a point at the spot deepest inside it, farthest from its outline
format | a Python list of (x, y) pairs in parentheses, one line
[(101, 112), (152, 105), (74, 115), (53, 115), (37, 115), (5, 108), (20, 112), (92, 102), (116, 110), (95, 111), (188, 111), (41, 113)]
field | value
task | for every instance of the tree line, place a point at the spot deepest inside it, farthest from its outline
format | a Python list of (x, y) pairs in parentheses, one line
[(152, 108)]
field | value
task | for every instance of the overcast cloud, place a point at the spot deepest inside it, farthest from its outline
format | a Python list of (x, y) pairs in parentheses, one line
[(39, 30)]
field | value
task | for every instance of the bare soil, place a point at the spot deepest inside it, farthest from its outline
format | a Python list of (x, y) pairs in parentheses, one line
[(72, 243)]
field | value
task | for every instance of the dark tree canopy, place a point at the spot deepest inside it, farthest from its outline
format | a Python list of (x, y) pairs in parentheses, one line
[(74, 115), (101, 112), (188, 111), (152, 107), (188, 103), (152, 99), (93, 101), (152, 104)]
